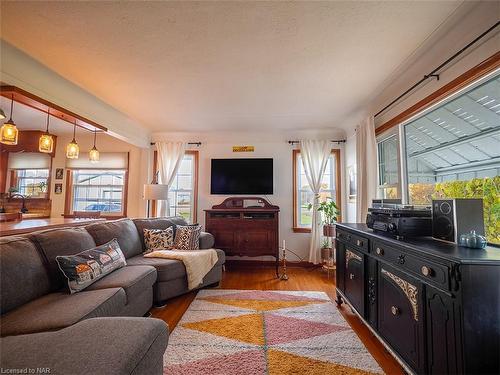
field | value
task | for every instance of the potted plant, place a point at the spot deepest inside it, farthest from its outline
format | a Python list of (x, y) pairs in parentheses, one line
[(43, 189), (330, 212)]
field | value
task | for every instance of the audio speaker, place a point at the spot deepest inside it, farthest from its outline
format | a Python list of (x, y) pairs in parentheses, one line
[(453, 217)]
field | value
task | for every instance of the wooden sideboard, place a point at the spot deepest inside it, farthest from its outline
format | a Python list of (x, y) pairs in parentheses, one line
[(434, 305), (245, 227)]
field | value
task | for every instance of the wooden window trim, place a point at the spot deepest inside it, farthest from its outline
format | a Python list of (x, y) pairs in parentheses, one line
[(68, 195), (196, 158), (336, 152), (482, 69)]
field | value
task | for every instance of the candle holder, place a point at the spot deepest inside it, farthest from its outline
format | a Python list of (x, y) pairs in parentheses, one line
[(284, 276)]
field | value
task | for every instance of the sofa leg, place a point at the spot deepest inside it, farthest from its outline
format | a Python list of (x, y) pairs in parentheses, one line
[(148, 314), (223, 268), (214, 285)]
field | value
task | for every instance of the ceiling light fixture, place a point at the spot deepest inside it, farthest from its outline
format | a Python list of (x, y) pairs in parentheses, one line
[(46, 141), (8, 131), (72, 149), (94, 153)]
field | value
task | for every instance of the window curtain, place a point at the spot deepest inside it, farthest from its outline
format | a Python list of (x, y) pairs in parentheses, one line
[(366, 167), (170, 156), (315, 156)]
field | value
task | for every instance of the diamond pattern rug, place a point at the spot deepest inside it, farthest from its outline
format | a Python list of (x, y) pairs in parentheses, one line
[(251, 332)]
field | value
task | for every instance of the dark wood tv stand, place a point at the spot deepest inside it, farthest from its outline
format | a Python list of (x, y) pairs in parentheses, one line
[(245, 226)]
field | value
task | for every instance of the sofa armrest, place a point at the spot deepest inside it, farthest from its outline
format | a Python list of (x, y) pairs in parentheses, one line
[(207, 240)]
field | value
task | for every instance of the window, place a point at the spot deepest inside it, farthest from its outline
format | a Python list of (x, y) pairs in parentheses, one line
[(303, 195), (31, 182), (388, 168), (183, 194), (98, 190), (453, 151)]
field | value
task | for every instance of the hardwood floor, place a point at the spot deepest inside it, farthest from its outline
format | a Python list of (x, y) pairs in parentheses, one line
[(264, 278)]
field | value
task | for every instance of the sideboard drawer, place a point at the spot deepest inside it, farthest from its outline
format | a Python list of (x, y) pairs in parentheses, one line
[(353, 239), (430, 271)]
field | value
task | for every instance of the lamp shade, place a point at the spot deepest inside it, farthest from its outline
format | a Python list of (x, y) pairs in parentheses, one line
[(155, 192)]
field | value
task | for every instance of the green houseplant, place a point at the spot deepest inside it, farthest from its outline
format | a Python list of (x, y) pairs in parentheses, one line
[(329, 213)]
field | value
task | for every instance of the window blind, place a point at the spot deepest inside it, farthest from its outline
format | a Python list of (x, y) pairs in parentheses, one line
[(108, 160), (29, 160)]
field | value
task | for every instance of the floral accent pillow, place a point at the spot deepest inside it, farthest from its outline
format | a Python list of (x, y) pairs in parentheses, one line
[(187, 237), (87, 267), (158, 239)]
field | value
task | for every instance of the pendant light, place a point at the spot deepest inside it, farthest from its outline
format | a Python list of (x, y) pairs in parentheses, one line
[(72, 149), (46, 141), (8, 131), (94, 153)]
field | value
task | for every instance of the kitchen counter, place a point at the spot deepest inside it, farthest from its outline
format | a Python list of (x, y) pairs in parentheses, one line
[(11, 228)]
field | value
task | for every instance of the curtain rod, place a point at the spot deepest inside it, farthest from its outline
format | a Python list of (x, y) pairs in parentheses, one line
[(338, 141), (189, 143), (434, 73)]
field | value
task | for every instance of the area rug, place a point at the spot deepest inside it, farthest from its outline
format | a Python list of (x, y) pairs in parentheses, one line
[(250, 332)]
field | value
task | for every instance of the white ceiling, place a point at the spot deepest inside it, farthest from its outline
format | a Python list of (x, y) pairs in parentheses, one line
[(198, 66)]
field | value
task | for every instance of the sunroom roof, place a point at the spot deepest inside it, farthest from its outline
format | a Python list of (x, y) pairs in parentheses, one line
[(464, 131)]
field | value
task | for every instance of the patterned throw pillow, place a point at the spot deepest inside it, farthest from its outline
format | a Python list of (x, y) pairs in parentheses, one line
[(87, 267), (158, 239), (187, 237)]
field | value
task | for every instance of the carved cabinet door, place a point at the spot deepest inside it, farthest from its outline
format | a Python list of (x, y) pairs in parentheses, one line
[(354, 279), (401, 314)]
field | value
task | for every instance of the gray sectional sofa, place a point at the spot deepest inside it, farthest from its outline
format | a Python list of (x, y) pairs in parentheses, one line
[(35, 301)]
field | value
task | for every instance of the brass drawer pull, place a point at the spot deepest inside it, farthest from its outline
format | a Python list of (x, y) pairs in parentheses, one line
[(359, 243), (379, 251), (351, 276), (426, 271), (394, 310)]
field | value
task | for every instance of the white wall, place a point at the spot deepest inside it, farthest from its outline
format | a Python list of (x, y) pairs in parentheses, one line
[(269, 145), (138, 166)]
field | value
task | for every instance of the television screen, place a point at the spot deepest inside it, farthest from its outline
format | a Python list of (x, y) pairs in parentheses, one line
[(242, 176)]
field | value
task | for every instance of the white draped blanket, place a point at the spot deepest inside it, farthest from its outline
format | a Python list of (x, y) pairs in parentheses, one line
[(197, 262)]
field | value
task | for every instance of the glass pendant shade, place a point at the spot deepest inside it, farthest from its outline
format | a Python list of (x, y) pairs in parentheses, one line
[(94, 155), (46, 141), (72, 150), (8, 132)]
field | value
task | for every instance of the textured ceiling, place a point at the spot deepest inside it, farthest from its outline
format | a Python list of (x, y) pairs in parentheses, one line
[(188, 66)]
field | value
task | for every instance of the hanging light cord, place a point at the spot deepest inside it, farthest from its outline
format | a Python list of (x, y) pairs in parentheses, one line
[(74, 132), (48, 116), (95, 135), (11, 108)]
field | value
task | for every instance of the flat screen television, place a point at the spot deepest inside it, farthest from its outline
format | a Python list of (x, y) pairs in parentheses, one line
[(242, 176)]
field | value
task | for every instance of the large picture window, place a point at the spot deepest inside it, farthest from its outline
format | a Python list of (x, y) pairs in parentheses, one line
[(451, 150), (303, 194), (31, 182), (98, 190)]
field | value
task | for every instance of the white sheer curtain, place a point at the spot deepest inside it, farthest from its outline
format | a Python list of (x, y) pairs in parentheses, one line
[(315, 156), (366, 162), (170, 156)]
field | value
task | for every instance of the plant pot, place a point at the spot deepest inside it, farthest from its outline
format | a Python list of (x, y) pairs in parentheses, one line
[(329, 230), (326, 253)]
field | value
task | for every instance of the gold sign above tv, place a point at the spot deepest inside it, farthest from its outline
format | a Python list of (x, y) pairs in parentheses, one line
[(243, 149)]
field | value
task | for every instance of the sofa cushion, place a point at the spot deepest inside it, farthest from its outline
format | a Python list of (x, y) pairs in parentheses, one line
[(158, 239), (187, 237), (157, 223), (169, 269), (123, 230), (20, 285), (58, 310), (111, 346), (133, 279), (207, 240), (88, 266), (61, 241)]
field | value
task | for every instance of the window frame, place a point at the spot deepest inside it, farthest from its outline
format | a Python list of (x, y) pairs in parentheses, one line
[(394, 133), (296, 228), (14, 179), (68, 203), (196, 158)]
